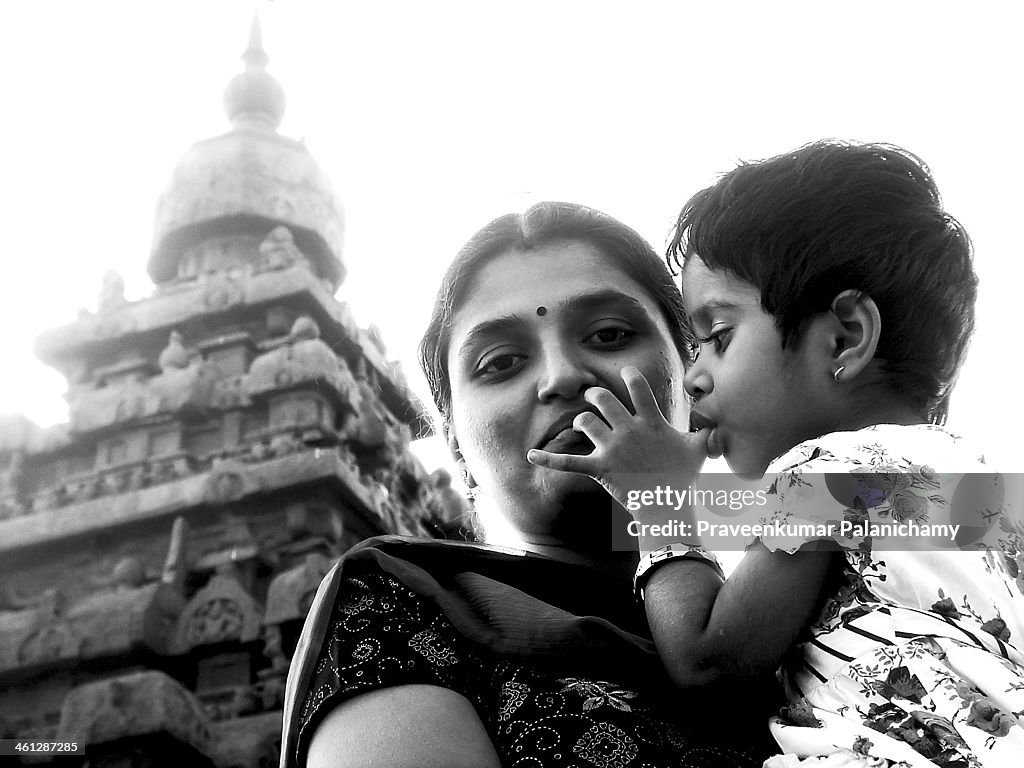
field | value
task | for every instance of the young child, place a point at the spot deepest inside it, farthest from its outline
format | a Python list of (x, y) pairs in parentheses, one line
[(832, 300)]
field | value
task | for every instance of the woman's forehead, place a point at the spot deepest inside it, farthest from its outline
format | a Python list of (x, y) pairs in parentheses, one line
[(558, 275)]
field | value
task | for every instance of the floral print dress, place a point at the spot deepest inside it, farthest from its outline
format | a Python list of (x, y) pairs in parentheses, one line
[(916, 659)]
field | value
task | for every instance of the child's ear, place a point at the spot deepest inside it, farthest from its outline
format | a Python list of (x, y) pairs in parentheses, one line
[(856, 334)]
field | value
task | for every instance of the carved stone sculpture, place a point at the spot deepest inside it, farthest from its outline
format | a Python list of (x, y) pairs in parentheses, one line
[(111, 293), (278, 250), (174, 356), (221, 611)]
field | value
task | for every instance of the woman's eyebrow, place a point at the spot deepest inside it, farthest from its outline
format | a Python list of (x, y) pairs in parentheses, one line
[(488, 329), (588, 302)]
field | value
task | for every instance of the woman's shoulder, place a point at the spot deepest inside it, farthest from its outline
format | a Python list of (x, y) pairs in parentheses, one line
[(417, 561), (442, 552), (376, 562), (893, 447), (412, 545)]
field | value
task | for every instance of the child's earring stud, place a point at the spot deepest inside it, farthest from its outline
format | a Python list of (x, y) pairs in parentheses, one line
[(837, 373)]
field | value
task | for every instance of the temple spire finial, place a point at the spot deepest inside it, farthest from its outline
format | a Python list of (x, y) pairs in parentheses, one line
[(254, 99), (255, 57)]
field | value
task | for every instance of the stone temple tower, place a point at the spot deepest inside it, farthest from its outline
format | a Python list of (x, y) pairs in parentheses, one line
[(229, 436)]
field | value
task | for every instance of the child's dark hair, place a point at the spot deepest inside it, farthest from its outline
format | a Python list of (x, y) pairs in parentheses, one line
[(832, 216)]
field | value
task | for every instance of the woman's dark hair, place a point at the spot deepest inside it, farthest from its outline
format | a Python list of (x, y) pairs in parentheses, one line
[(543, 224), (832, 216)]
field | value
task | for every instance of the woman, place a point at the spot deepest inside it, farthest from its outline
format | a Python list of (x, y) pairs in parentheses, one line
[(422, 653)]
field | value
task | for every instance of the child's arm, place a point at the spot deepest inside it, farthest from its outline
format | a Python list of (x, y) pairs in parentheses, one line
[(703, 629), (706, 630)]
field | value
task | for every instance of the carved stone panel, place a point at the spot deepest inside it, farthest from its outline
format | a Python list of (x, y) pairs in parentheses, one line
[(221, 611), (47, 643), (229, 481), (291, 591), (222, 292), (140, 704), (300, 410)]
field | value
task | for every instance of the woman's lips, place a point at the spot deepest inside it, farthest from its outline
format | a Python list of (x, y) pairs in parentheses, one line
[(570, 441)]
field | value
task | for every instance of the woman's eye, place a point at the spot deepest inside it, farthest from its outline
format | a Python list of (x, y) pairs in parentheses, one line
[(610, 336), (499, 364)]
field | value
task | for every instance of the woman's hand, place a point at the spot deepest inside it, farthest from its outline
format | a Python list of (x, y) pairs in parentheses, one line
[(631, 452)]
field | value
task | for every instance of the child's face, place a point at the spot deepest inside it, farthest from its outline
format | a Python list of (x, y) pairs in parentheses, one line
[(759, 399)]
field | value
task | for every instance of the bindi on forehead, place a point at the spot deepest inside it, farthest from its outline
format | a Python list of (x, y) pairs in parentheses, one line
[(541, 311)]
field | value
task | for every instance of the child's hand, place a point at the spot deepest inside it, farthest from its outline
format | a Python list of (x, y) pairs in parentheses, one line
[(630, 452)]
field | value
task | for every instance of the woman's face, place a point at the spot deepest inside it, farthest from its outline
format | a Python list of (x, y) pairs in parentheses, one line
[(532, 333)]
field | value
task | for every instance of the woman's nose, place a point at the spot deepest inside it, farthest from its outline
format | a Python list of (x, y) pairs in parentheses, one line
[(564, 375), (697, 380)]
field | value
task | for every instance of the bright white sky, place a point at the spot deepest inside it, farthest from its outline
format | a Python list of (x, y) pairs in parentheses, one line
[(431, 118)]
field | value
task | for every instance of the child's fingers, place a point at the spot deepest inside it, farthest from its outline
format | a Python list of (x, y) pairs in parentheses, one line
[(610, 407), (590, 424), (563, 462), (640, 392)]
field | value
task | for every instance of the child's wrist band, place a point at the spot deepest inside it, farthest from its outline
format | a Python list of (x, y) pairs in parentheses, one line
[(662, 555)]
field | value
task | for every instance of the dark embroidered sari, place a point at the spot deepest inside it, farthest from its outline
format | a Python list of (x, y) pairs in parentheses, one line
[(556, 658)]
